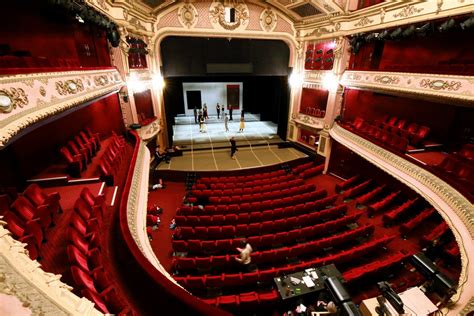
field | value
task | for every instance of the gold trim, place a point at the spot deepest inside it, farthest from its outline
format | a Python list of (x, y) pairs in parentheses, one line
[(16, 97)]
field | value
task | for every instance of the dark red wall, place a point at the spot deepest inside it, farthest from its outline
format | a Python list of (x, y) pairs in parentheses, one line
[(31, 26), (39, 149), (143, 104), (449, 53), (313, 98)]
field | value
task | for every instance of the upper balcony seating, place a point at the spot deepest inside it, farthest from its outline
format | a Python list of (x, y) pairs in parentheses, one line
[(247, 187), (411, 224), (459, 168), (240, 180)]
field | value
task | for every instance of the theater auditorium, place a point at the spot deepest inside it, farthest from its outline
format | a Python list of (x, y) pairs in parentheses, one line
[(236, 157)]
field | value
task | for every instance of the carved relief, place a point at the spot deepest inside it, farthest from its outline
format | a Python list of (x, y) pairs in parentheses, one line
[(101, 3), (187, 15), (12, 98), (42, 91), (440, 84), (101, 80), (217, 16), (69, 87), (382, 15), (407, 11), (364, 21), (387, 79), (268, 20), (318, 32)]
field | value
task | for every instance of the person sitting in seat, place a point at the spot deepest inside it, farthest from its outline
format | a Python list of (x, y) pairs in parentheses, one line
[(244, 255), (162, 154)]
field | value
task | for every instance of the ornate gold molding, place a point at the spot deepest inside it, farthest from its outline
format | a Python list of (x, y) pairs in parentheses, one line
[(43, 293), (455, 209), (307, 120), (42, 95), (187, 15), (459, 88), (409, 10), (217, 15), (268, 20)]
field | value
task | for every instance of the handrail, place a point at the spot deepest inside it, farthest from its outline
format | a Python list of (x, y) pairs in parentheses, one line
[(133, 228), (455, 209)]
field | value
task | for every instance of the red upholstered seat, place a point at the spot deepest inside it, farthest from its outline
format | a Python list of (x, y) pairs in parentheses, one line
[(38, 197), (94, 297), (28, 212)]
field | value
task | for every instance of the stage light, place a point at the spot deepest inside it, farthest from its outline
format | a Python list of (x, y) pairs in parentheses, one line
[(330, 82), (468, 23), (446, 26), (383, 35), (158, 81), (79, 18), (424, 29), (295, 80), (409, 31), (370, 37), (135, 85), (396, 34)]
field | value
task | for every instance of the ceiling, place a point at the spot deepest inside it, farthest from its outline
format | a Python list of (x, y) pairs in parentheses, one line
[(297, 10)]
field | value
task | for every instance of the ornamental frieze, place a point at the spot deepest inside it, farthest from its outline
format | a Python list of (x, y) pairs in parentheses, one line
[(407, 11), (187, 15), (268, 20), (364, 21), (27, 99), (387, 79)]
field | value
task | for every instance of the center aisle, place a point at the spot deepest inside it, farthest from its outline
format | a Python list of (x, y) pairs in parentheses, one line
[(168, 199)]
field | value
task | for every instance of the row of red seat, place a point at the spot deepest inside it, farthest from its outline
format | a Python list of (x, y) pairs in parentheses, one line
[(311, 172), (284, 237), (276, 185), (414, 132), (111, 160), (372, 194), (341, 186), (416, 221), (258, 228), (375, 267), (182, 264), (380, 205), (457, 170), (265, 196), (247, 186), (242, 179), (30, 216), (356, 190), (392, 140), (79, 151), (466, 153), (241, 218), (298, 169), (435, 233), (254, 206), (398, 212), (267, 275), (250, 301), (87, 264)]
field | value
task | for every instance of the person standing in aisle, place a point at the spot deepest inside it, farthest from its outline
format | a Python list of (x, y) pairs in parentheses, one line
[(230, 112), (195, 115), (233, 148), (218, 110), (226, 122), (204, 112), (222, 110)]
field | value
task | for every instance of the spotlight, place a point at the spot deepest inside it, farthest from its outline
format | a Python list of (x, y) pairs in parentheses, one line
[(409, 31), (468, 23), (423, 30), (396, 34), (446, 26), (295, 80), (79, 18), (330, 82), (370, 37), (383, 35)]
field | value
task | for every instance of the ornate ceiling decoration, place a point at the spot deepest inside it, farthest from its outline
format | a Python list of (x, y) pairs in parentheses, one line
[(268, 20), (187, 15), (217, 15)]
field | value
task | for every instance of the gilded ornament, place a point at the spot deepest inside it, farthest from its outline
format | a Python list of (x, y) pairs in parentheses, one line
[(364, 21), (387, 79), (42, 91), (268, 20), (69, 87), (382, 15), (187, 15), (319, 31), (217, 15), (101, 80), (101, 3), (12, 98), (440, 84), (407, 11)]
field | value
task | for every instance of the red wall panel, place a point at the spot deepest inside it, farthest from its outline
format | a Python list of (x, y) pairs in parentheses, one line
[(313, 100), (144, 105)]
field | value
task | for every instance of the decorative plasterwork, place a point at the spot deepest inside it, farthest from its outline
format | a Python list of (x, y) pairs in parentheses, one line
[(455, 209), (42, 95), (384, 15), (137, 206), (217, 16), (149, 131), (268, 20), (307, 120), (187, 15), (43, 293), (445, 86)]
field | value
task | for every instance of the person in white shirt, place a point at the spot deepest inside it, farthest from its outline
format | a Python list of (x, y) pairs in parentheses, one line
[(244, 254)]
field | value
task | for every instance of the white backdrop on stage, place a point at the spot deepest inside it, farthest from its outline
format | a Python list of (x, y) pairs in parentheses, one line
[(211, 93)]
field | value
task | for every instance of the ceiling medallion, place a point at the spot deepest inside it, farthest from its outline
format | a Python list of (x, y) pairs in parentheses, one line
[(187, 15), (11, 98), (217, 14), (268, 20)]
